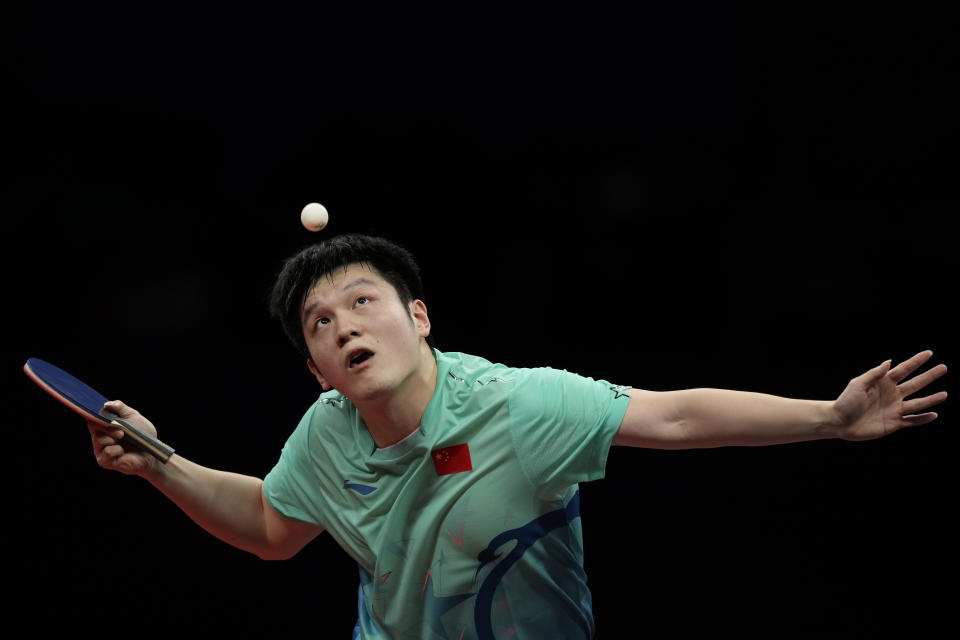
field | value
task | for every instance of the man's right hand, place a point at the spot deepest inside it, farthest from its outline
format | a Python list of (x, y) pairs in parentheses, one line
[(110, 449)]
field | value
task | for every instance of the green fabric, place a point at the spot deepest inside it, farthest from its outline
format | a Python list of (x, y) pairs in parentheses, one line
[(484, 553)]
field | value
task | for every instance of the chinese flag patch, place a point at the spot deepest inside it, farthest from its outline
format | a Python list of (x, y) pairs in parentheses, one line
[(452, 459)]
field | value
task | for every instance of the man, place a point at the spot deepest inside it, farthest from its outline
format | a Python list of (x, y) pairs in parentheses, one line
[(453, 481)]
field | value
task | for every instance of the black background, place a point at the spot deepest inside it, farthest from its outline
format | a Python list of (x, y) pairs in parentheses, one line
[(666, 198)]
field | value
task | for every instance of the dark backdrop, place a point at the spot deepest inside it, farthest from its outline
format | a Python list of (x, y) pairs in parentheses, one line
[(669, 198)]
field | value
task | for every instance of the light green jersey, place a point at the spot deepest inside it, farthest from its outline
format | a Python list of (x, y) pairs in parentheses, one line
[(470, 527)]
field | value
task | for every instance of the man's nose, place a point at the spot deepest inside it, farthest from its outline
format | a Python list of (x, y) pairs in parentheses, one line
[(346, 336)]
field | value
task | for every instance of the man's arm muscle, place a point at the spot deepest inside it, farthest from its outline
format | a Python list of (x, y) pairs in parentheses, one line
[(231, 507), (700, 418)]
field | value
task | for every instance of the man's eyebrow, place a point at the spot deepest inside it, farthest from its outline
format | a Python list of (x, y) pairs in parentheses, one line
[(350, 285)]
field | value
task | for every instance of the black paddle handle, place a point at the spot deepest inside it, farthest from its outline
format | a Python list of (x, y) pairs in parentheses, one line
[(140, 439)]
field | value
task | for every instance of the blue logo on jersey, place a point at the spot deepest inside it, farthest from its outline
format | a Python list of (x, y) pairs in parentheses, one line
[(525, 537), (362, 489)]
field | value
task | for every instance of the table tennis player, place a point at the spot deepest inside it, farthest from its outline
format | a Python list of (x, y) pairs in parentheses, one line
[(453, 481)]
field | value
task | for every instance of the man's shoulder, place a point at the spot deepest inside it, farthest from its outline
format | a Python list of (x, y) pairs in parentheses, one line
[(471, 369), (334, 400), (331, 413)]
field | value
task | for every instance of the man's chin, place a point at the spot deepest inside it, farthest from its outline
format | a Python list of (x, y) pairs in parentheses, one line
[(365, 393)]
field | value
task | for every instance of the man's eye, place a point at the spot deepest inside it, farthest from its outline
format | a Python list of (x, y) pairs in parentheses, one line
[(323, 321), (362, 300)]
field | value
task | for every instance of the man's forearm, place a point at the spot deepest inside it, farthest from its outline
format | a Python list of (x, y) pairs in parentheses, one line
[(227, 505), (720, 417)]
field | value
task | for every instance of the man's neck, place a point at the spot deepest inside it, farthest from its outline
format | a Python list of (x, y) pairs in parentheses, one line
[(395, 418)]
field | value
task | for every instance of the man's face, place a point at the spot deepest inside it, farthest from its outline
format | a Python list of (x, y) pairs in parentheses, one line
[(362, 340)]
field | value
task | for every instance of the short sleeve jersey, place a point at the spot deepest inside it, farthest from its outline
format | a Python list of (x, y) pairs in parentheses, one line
[(470, 527)]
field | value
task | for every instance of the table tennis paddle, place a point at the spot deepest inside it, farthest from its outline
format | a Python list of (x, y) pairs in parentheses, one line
[(88, 403)]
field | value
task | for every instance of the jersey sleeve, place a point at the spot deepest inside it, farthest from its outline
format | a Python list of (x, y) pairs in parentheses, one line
[(563, 426), (289, 486)]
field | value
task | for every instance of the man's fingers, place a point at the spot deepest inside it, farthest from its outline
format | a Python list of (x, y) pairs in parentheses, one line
[(104, 435), (103, 439), (876, 374), (915, 384), (122, 410), (921, 404), (106, 447), (108, 455), (919, 419), (872, 376), (113, 450), (908, 366)]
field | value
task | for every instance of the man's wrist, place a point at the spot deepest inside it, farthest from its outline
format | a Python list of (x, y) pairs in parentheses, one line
[(154, 471), (831, 424)]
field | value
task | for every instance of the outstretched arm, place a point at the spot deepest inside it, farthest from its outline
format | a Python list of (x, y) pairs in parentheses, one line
[(874, 404), (230, 506)]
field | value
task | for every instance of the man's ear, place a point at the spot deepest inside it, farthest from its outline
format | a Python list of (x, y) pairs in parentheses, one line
[(319, 376), (418, 312)]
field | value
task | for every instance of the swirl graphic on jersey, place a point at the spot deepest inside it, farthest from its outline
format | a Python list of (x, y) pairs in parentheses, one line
[(525, 536)]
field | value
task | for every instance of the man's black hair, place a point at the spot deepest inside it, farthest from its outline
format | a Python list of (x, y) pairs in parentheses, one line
[(301, 271)]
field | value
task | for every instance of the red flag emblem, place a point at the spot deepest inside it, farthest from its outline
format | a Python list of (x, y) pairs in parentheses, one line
[(452, 459)]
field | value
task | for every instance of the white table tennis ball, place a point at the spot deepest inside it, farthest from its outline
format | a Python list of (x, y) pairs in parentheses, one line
[(314, 216)]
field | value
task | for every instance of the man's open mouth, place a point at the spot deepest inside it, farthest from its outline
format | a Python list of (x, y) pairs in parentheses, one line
[(359, 358)]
